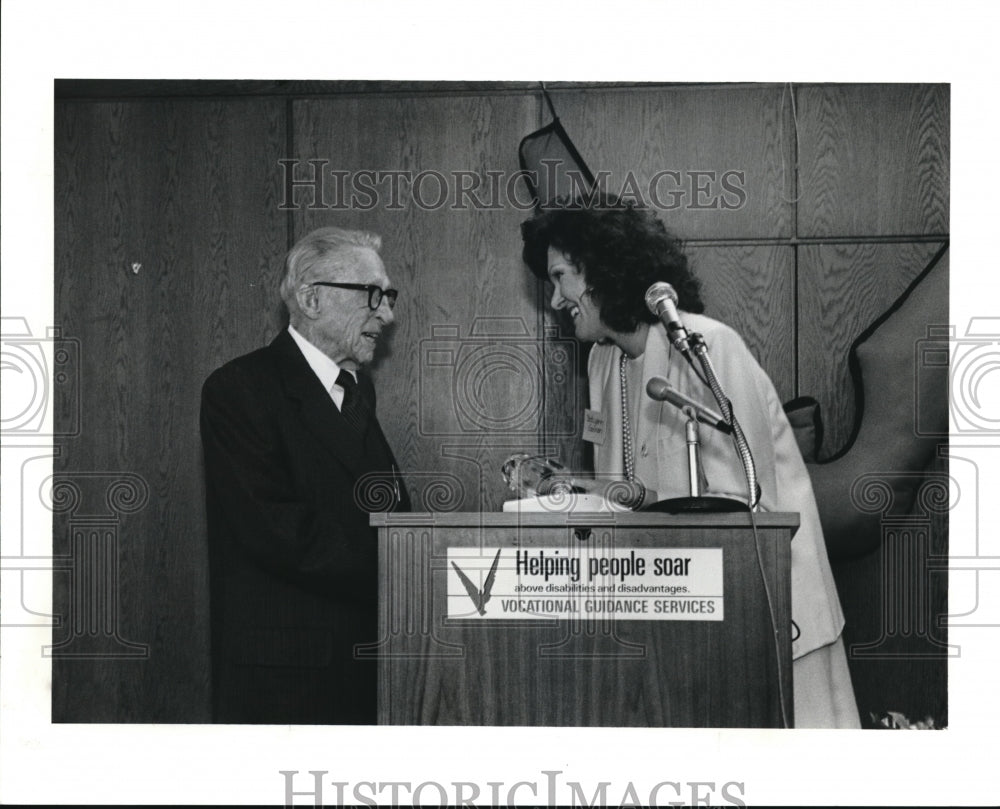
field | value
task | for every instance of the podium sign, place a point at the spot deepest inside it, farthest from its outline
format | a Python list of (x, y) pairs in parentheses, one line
[(583, 619), (639, 584)]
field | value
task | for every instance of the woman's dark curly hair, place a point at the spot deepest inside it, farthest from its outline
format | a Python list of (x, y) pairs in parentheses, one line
[(621, 249)]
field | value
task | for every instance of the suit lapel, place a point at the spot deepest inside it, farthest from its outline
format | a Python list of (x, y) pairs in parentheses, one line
[(320, 415)]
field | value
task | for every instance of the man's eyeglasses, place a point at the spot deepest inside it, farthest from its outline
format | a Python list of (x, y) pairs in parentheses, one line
[(375, 293)]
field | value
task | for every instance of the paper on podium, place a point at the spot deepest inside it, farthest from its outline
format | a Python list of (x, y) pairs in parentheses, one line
[(563, 503)]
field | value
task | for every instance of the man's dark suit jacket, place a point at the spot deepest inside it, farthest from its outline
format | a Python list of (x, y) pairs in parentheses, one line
[(293, 561)]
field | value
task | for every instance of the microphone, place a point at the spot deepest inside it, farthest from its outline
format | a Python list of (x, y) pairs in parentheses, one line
[(662, 302), (662, 391)]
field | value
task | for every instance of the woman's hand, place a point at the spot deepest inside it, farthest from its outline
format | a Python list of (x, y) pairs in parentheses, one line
[(626, 493), (618, 491)]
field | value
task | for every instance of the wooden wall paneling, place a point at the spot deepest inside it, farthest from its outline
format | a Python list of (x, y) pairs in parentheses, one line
[(458, 268), (90, 287), (186, 191), (842, 290), (874, 159), (86, 140), (908, 670), (685, 130), (873, 162), (752, 289)]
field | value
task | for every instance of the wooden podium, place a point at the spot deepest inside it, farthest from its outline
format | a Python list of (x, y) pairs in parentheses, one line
[(691, 657)]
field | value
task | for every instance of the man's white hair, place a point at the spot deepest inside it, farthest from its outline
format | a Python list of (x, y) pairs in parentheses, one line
[(327, 245)]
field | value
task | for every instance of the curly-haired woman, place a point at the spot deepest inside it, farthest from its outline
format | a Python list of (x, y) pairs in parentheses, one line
[(601, 257)]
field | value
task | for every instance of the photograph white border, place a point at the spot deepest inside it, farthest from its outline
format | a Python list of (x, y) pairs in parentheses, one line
[(649, 41)]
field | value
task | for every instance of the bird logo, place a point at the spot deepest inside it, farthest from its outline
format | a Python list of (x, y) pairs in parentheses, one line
[(480, 597)]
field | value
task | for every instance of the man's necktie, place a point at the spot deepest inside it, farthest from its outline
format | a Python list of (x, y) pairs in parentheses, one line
[(354, 407)]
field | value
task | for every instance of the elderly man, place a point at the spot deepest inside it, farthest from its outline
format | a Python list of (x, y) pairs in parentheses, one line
[(291, 440)]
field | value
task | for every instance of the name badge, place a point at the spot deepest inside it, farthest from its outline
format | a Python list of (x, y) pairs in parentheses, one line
[(594, 427)]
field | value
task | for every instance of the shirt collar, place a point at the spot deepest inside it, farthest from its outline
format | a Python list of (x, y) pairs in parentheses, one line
[(324, 368)]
